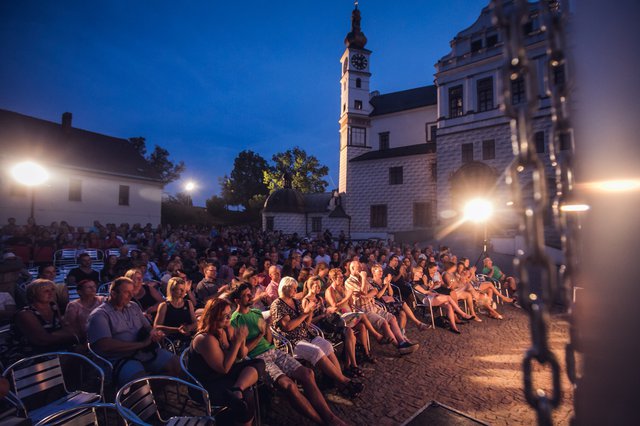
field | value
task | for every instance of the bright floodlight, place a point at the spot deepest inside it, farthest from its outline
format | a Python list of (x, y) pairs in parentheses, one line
[(190, 186), (478, 210), (30, 173)]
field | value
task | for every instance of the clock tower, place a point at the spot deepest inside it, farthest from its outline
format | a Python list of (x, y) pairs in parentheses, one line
[(354, 99)]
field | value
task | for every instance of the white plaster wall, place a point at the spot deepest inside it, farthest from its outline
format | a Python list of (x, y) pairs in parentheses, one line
[(405, 127), (99, 200)]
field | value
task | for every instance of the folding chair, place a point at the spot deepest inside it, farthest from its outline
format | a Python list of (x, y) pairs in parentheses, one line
[(37, 378)]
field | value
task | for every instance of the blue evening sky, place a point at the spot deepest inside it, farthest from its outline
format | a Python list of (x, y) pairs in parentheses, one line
[(207, 79)]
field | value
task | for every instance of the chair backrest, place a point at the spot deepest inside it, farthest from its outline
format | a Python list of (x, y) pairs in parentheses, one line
[(64, 256), (419, 297), (41, 375), (396, 292), (83, 415), (95, 254), (136, 403)]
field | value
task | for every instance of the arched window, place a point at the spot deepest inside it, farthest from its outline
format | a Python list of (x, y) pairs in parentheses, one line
[(358, 83)]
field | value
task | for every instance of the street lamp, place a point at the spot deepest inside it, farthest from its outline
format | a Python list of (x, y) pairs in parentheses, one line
[(189, 187), (30, 174), (479, 210)]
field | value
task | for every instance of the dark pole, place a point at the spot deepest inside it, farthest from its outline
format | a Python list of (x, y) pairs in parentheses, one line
[(33, 202)]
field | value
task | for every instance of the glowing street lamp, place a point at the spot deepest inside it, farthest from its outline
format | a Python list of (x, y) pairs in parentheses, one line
[(30, 174), (479, 210)]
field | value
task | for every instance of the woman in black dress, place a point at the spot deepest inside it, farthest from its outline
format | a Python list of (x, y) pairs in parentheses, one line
[(214, 357)]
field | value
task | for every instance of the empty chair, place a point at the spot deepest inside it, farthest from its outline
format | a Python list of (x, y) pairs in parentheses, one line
[(138, 402), (97, 414), (41, 386)]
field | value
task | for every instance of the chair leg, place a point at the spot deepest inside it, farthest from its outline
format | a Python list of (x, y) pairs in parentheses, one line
[(433, 322)]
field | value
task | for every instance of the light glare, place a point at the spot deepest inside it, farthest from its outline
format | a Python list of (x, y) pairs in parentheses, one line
[(478, 210), (618, 185), (29, 173), (575, 207), (190, 186)]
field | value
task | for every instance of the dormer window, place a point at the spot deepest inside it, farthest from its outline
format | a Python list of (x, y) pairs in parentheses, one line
[(492, 40), (476, 45)]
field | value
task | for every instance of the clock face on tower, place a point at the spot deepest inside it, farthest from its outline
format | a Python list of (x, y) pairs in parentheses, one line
[(359, 61)]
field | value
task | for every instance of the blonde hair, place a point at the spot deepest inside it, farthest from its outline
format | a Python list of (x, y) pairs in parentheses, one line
[(35, 286), (132, 272), (173, 281), (286, 282), (309, 282)]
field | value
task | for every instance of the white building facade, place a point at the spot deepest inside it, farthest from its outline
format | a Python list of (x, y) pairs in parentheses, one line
[(91, 176)]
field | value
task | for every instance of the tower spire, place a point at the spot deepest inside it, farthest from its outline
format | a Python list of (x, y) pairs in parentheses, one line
[(356, 37)]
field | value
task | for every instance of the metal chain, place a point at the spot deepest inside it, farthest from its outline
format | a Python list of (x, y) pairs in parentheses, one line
[(559, 88), (537, 286)]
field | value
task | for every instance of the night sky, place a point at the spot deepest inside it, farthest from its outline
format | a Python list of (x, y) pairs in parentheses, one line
[(207, 79)]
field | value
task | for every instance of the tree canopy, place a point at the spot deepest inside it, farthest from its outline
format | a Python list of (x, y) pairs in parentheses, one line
[(245, 180), (305, 171), (159, 161)]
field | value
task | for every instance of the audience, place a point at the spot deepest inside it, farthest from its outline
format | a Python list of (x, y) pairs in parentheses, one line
[(225, 262)]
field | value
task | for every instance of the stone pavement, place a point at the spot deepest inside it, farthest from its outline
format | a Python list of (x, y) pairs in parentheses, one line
[(478, 372)]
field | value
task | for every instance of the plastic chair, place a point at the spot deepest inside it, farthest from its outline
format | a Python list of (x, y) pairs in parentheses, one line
[(137, 403), (40, 375), (84, 415)]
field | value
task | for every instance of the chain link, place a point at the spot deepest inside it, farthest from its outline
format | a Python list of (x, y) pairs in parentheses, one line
[(558, 84), (537, 287)]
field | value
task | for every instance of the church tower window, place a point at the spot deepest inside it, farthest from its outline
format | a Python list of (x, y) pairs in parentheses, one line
[(358, 136)]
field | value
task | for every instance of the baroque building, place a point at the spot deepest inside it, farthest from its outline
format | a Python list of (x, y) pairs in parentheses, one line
[(410, 159)]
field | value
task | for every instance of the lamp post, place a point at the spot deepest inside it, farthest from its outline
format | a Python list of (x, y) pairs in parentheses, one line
[(479, 210), (189, 187), (30, 174)]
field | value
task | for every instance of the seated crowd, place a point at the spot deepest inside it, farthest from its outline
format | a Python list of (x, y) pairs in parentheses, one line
[(247, 306)]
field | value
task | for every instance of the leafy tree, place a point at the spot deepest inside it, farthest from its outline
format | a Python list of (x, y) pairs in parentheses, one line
[(216, 206), (305, 171), (181, 198), (159, 161), (245, 180)]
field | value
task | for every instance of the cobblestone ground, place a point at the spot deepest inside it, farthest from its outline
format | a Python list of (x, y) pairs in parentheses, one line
[(478, 372)]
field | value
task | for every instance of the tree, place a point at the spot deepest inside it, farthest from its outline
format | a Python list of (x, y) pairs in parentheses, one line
[(216, 206), (181, 198), (158, 161), (245, 180), (305, 171)]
